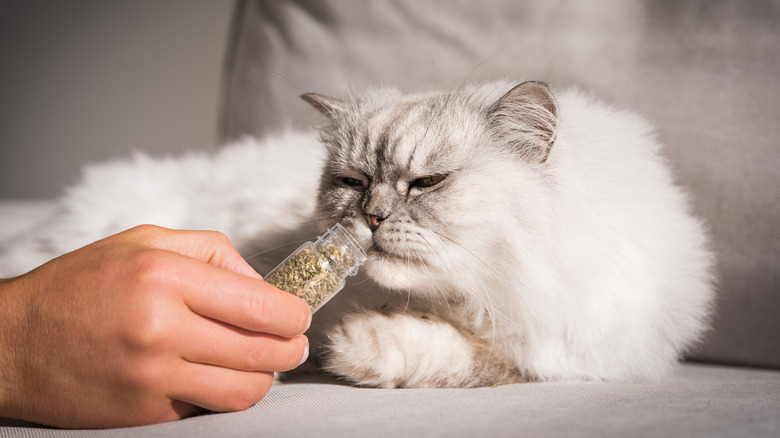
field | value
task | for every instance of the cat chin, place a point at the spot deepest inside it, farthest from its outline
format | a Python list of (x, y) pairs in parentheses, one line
[(399, 274)]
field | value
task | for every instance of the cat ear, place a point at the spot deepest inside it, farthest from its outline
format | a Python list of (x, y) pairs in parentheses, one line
[(526, 117), (329, 106)]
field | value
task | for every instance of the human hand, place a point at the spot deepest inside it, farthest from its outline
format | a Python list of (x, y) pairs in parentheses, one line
[(146, 326)]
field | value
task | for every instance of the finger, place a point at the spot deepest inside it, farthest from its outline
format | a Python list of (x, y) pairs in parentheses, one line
[(238, 300), (207, 246), (184, 410), (220, 389), (207, 341)]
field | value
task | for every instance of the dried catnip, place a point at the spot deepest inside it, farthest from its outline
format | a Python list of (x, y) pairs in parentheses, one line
[(317, 270)]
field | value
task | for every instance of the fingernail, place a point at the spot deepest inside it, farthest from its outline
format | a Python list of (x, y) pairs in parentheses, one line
[(305, 356), (308, 324)]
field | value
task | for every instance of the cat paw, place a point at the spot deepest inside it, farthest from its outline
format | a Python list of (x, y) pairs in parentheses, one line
[(399, 350)]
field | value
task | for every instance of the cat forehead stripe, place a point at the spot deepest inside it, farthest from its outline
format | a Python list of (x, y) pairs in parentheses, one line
[(395, 138)]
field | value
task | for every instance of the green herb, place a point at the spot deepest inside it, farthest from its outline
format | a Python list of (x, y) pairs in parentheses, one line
[(313, 274)]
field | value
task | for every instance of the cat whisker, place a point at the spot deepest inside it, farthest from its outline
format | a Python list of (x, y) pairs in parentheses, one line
[(408, 288), (480, 64), (278, 76), (435, 285), (274, 248), (484, 295), (364, 281), (492, 313), (480, 260)]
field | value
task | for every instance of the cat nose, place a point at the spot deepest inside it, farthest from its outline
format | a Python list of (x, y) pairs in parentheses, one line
[(373, 221)]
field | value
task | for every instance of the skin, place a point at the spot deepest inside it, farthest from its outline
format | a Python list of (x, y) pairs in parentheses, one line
[(146, 326)]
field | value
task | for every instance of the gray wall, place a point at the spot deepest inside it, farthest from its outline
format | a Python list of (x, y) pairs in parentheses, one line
[(88, 80)]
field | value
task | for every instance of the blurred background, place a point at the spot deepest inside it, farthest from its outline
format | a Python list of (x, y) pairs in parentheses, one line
[(88, 80)]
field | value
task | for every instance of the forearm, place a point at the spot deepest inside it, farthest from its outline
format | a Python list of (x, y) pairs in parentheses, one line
[(11, 314)]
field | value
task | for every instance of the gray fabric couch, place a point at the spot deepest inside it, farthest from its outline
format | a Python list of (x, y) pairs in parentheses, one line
[(706, 72)]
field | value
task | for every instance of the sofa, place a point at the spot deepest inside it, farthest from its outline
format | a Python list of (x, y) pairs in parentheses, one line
[(705, 72)]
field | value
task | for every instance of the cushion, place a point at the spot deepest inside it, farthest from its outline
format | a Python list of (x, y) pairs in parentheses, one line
[(704, 72), (696, 401)]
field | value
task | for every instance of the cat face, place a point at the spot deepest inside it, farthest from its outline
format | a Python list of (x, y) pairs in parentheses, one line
[(426, 182)]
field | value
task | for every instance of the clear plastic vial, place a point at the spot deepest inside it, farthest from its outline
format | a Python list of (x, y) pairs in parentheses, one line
[(316, 271)]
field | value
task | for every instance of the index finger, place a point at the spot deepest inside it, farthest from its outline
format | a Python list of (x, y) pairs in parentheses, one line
[(216, 282), (241, 301), (211, 247)]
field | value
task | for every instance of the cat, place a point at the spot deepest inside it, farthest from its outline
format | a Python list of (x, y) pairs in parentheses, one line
[(513, 234)]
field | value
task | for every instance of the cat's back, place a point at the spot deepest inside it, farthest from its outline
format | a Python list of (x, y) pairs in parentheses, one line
[(624, 212), (244, 189), (611, 155)]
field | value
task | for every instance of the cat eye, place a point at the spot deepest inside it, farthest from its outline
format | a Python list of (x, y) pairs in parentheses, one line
[(427, 181), (352, 182)]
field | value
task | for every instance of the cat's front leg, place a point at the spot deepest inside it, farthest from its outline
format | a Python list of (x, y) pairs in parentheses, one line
[(412, 350)]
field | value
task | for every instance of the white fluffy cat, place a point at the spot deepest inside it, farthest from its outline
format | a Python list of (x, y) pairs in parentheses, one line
[(512, 235)]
